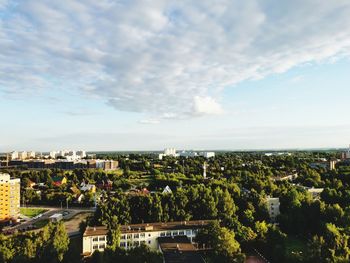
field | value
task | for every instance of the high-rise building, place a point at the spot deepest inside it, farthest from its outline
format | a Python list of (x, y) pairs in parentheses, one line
[(273, 207), (9, 198)]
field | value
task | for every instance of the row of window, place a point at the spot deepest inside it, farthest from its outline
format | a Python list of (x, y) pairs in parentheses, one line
[(162, 234), (134, 244), (95, 239), (96, 247)]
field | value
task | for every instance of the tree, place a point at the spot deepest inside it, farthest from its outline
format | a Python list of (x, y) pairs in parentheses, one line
[(113, 234), (60, 240), (222, 241)]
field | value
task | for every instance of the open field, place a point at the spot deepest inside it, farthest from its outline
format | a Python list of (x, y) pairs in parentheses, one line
[(31, 212)]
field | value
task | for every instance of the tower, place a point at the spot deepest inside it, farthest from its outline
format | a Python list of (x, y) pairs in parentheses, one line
[(205, 170)]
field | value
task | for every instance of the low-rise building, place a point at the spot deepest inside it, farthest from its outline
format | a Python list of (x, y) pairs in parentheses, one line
[(56, 217), (207, 154), (95, 238)]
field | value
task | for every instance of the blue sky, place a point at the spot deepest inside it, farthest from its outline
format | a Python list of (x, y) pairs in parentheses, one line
[(145, 75)]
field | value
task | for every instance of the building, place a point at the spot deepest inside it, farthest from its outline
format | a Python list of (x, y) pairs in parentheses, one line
[(332, 164), (31, 154), (9, 198), (87, 187), (168, 152), (315, 192), (273, 207), (346, 154), (95, 238), (207, 154), (57, 181), (56, 217), (22, 155), (179, 249), (188, 154), (14, 155)]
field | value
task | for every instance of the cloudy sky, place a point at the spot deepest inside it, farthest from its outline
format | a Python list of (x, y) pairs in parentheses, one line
[(145, 75)]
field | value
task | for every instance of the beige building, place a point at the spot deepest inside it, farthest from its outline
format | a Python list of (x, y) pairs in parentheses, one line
[(9, 198), (95, 238), (273, 206)]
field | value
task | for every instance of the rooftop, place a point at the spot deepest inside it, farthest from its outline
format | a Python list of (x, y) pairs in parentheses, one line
[(149, 227)]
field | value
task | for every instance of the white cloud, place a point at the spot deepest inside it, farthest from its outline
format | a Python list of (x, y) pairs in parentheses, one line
[(149, 121), (162, 57), (206, 105)]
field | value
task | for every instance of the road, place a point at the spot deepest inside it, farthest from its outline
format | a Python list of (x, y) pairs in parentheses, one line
[(51, 210)]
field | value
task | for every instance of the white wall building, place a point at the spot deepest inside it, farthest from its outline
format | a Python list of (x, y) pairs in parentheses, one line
[(14, 155), (207, 154), (188, 154), (273, 206), (95, 238)]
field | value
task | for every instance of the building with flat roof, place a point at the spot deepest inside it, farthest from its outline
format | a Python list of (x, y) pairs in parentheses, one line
[(95, 238), (273, 207), (9, 198)]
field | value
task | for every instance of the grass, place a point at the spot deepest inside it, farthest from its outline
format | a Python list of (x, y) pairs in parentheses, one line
[(295, 247), (41, 223), (31, 212)]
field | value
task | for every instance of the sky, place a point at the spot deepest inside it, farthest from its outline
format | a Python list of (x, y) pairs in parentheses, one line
[(147, 75)]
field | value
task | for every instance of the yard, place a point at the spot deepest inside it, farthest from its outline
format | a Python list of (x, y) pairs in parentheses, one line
[(31, 212), (295, 248)]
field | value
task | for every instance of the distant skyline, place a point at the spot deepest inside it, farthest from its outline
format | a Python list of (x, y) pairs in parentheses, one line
[(147, 75)]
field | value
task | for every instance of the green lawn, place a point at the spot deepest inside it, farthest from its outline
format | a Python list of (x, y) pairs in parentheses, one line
[(295, 248), (31, 212)]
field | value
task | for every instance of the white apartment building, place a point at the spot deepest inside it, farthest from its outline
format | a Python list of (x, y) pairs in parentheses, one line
[(188, 154), (95, 238), (207, 154), (170, 152), (273, 207), (14, 155)]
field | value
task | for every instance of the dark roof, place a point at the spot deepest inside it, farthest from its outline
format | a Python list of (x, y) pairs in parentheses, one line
[(178, 243), (179, 249), (149, 227)]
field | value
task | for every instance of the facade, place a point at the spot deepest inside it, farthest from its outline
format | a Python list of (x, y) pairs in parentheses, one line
[(9, 198), (207, 154), (315, 192), (95, 238), (346, 154), (273, 207)]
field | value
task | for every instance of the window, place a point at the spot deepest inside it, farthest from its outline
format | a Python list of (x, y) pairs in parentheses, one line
[(142, 235), (136, 243), (149, 235), (175, 233), (168, 234), (136, 235), (102, 246), (143, 242), (95, 247), (122, 244), (149, 241), (95, 239), (181, 233), (122, 237), (129, 236), (102, 239), (162, 234), (188, 232)]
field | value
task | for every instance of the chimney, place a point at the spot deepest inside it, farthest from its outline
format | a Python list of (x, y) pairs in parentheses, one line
[(94, 228)]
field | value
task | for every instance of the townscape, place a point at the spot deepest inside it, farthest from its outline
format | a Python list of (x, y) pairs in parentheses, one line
[(178, 206), (159, 131)]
